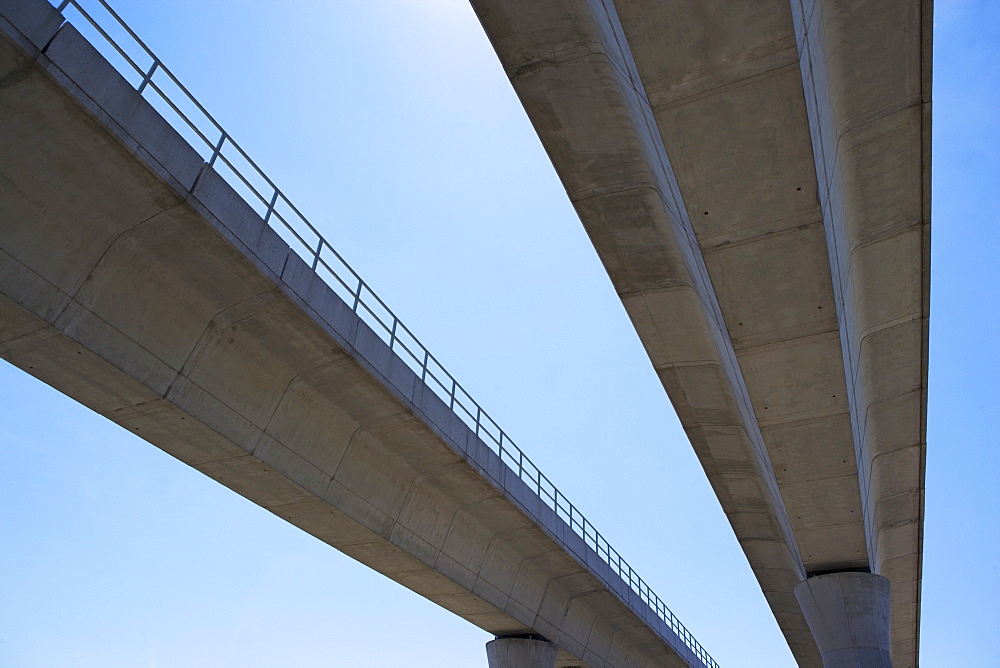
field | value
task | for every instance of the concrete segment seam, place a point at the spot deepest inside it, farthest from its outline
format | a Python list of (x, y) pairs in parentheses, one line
[(727, 87)]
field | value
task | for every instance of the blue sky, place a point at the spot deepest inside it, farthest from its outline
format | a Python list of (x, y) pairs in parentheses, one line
[(391, 125)]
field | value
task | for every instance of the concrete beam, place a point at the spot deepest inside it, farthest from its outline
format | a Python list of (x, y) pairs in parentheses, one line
[(783, 299), (866, 73), (724, 88), (572, 64)]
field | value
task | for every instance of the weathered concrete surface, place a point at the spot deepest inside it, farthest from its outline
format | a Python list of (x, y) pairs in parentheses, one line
[(573, 70), (866, 70), (849, 617), (135, 280), (785, 312), (520, 653)]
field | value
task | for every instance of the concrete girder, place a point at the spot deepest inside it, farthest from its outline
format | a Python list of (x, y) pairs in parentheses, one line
[(782, 299), (866, 73), (572, 68)]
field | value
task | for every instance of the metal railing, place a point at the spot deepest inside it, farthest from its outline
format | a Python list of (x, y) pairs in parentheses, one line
[(224, 154)]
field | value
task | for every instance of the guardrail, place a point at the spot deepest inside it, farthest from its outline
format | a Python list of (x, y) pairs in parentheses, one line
[(225, 155)]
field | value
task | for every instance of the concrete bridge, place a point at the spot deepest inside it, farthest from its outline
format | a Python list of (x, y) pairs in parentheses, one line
[(754, 177), (756, 180)]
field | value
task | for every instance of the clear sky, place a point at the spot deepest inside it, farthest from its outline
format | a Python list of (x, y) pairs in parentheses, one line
[(391, 125)]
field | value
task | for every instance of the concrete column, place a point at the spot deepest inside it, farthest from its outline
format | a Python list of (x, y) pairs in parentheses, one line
[(848, 614), (521, 653)]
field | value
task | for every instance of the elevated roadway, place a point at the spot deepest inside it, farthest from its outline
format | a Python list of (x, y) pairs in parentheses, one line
[(755, 178), (139, 282)]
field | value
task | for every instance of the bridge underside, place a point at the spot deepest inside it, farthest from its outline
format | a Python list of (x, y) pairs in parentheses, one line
[(755, 179)]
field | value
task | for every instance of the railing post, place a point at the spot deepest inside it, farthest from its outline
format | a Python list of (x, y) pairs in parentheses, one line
[(392, 334), (319, 249), (423, 372), (357, 295), (270, 206), (218, 149), (149, 75)]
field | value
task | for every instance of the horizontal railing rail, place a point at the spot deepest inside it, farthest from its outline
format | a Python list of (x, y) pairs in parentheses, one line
[(220, 150)]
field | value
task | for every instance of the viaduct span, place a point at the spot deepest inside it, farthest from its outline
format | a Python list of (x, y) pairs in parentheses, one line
[(755, 179)]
